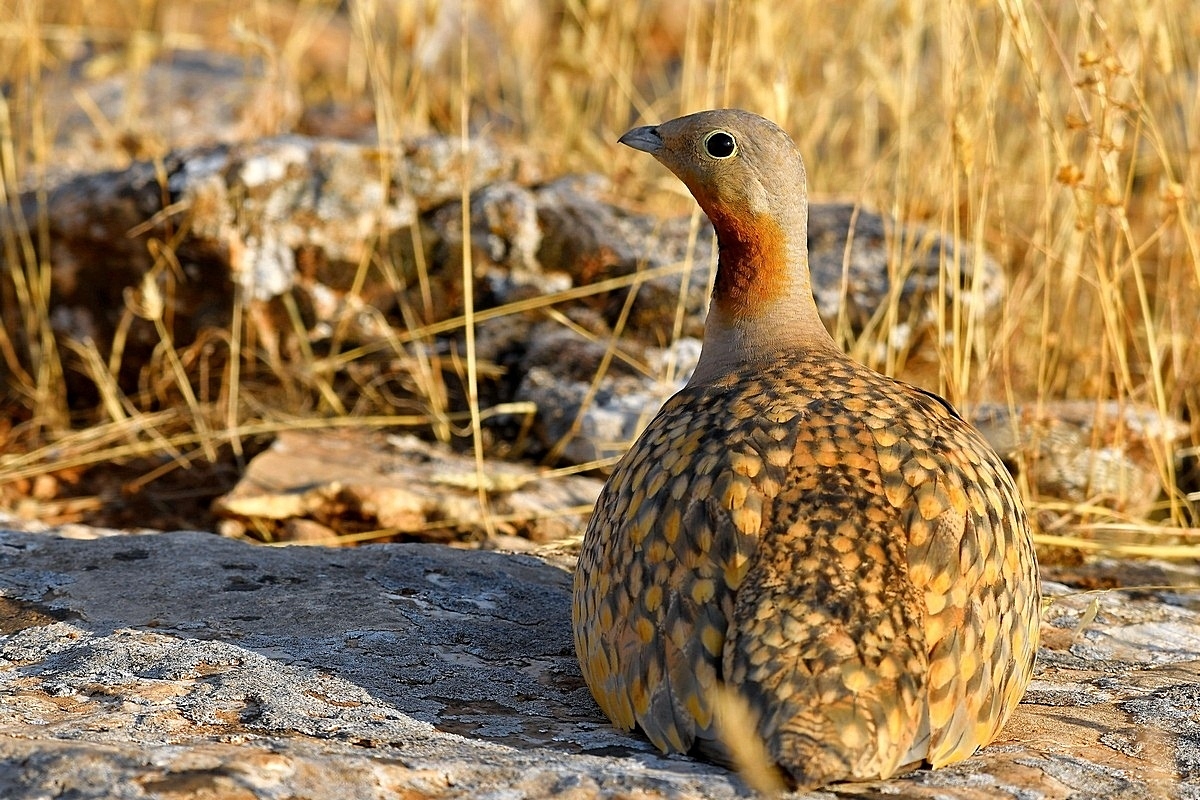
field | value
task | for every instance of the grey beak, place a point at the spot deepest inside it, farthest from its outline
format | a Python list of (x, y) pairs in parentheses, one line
[(645, 139)]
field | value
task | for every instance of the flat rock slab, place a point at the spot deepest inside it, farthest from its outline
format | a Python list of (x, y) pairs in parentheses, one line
[(186, 665), (311, 484)]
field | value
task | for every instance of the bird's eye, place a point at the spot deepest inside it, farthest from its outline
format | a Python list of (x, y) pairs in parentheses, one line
[(720, 144)]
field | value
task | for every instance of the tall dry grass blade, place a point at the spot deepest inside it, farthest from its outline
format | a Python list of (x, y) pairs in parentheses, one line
[(468, 283), (689, 259), (736, 726), (419, 332), (113, 442), (399, 86), (26, 244), (308, 361), (1167, 552), (148, 303), (233, 370), (116, 407), (550, 312), (560, 446)]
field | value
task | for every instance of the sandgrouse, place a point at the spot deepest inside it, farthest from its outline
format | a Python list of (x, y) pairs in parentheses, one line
[(839, 549)]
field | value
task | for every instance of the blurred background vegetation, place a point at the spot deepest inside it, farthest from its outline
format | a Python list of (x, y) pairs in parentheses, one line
[(1058, 135)]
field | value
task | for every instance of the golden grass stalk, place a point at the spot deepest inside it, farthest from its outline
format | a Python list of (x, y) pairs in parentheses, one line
[(468, 282)]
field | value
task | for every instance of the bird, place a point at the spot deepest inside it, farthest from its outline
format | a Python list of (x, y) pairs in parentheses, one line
[(837, 550)]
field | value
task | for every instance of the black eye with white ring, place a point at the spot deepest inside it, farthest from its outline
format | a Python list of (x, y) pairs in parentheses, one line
[(720, 144)]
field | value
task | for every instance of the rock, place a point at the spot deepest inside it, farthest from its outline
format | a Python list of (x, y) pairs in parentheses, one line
[(859, 282), (311, 484), (1108, 453), (185, 664), (581, 419), (106, 111), (277, 213)]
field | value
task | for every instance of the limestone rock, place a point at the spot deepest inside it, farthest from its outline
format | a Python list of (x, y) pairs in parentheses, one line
[(107, 110), (183, 237), (183, 662), (857, 274), (188, 665), (313, 485), (266, 216), (1082, 451), (581, 419)]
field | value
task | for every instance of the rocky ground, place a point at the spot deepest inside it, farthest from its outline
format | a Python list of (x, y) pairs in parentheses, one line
[(183, 664)]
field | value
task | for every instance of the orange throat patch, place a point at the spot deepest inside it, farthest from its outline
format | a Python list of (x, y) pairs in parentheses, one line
[(753, 270)]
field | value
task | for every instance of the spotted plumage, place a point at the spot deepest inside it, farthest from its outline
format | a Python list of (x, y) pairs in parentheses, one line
[(838, 548)]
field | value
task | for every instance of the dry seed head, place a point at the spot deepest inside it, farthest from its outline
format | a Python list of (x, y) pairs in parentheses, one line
[(146, 300), (1069, 175)]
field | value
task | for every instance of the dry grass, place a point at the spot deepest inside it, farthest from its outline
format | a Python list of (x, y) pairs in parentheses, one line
[(1057, 135)]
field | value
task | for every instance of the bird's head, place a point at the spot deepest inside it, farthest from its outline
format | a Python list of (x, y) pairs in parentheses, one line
[(748, 177), (741, 168)]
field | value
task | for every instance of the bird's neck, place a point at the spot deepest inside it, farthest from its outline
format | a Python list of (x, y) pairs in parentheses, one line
[(762, 307)]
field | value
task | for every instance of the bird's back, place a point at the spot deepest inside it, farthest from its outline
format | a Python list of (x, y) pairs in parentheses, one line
[(838, 548)]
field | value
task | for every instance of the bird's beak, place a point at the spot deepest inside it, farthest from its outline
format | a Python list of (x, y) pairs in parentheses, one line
[(645, 139)]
